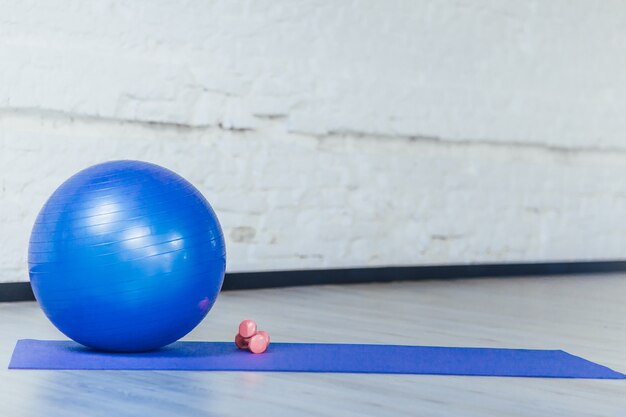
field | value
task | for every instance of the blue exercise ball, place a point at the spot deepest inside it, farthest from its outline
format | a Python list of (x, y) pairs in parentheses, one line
[(126, 256)]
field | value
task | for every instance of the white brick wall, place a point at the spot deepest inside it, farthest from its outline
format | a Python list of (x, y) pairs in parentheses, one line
[(332, 133)]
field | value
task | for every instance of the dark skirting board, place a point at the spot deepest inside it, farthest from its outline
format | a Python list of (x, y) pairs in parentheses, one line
[(272, 279), (311, 357)]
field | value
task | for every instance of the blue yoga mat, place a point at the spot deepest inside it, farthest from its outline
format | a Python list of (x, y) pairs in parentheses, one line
[(305, 357)]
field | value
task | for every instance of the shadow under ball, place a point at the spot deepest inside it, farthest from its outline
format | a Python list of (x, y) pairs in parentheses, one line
[(126, 256)]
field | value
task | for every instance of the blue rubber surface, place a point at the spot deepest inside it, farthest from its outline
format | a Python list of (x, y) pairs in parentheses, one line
[(302, 357)]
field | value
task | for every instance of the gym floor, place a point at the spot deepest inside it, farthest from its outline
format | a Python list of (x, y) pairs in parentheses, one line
[(583, 315)]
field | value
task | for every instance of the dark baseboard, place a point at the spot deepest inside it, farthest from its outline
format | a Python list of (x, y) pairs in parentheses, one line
[(16, 291), (272, 279), (21, 291)]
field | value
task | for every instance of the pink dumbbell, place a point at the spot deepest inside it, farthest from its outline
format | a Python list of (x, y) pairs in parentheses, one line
[(259, 342), (251, 339), (247, 328)]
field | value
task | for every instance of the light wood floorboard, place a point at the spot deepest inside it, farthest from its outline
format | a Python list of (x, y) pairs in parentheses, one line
[(584, 315)]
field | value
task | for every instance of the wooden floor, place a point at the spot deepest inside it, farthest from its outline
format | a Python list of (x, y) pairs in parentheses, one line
[(583, 315)]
